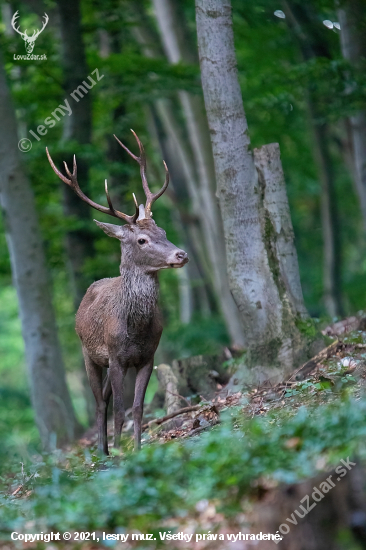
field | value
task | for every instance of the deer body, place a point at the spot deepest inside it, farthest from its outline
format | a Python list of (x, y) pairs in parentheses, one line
[(118, 321)]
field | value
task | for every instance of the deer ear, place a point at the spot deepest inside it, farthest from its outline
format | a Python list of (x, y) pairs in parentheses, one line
[(111, 230)]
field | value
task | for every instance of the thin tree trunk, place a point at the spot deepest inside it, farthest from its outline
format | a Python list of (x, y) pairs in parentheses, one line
[(77, 128), (330, 224), (168, 132), (50, 397), (180, 156), (266, 310), (312, 45), (177, 47), (181, 165), (185, 297), (186, 225), (79, 242), (352, 18)]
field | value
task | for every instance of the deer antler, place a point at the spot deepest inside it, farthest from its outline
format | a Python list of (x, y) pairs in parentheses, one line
[(37, 33), (73, 183), (150, 197), (14, 22)]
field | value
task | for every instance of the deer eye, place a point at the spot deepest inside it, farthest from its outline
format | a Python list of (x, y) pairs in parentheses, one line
[(141, 241)]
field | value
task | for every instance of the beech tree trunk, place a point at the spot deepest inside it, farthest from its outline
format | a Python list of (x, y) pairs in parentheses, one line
[(198, 282), (303, 23), (352, 18), (77, 127), (50, 397), (168, 133), (267, 160), (176, 44), (268, 311), (181, 166)]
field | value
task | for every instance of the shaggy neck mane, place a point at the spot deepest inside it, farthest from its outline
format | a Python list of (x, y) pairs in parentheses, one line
[(139, 294)]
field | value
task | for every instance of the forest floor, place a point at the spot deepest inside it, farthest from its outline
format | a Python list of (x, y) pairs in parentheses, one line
[(341, 365), (339, 369)]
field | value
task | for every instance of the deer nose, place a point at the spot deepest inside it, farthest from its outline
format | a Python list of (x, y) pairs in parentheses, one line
[(181, 255)]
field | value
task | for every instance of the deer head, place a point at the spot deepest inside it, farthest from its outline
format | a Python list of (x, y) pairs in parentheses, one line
[(29, 40), (144, 245)]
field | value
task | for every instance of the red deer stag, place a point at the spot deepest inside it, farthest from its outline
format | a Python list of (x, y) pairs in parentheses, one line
[(118, 321)]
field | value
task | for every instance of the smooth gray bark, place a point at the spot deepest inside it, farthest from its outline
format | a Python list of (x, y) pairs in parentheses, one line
[(352, 18), (177, 46), (50, 397), (267, 311), (272, 180), (185, 297), (186, 224)]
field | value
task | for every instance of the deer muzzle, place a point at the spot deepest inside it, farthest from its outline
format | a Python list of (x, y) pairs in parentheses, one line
[(178, 259)]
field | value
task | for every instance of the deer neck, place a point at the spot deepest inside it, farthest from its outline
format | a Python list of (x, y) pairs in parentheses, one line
[(139, 294)]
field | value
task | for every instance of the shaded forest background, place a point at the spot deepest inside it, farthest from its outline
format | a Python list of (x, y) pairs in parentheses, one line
[(297, 89)]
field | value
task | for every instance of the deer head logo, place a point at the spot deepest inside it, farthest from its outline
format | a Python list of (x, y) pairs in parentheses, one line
[(29, 40)]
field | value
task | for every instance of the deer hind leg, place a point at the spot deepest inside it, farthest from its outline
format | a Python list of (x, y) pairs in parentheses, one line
[(142, 380), (107, 389), (117, 373), (95, 376)]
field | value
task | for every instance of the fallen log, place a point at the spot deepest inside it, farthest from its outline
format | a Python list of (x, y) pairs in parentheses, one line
[(162, 419), (311, 365)]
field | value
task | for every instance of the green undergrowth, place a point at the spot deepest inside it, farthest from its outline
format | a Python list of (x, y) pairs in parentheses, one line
[(78, 490)]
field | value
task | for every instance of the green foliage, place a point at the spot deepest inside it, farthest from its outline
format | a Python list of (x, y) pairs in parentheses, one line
[(166, 481), (11, 343), (202, 335)]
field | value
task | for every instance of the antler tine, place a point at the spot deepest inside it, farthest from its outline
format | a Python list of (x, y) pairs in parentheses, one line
[(127, 150), (74, 172), (165, 185), (141, 160), (73, 183), (107, 195), (57, 172), (150, 197)]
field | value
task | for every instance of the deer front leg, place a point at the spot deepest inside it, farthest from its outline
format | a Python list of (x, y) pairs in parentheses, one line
[(95, 377), (117, 375), (142, 379)]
